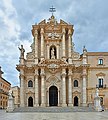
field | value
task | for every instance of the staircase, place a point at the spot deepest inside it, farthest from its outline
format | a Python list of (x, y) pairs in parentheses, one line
[(54, 109)]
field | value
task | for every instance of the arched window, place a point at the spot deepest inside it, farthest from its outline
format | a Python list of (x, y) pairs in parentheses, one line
[(75, 83), (30, 83)]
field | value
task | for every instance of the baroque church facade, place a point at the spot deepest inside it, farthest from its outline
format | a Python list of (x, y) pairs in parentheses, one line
[(54, 74)]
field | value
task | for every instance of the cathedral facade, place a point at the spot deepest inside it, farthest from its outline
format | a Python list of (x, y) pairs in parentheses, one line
[(54, 74)]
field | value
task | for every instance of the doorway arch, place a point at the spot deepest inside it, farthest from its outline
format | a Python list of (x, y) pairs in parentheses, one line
[(75, 101), (30, 102), (53, 96)]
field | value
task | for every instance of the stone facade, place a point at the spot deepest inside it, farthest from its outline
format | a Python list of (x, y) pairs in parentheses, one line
[(4, 89), (54, 74)]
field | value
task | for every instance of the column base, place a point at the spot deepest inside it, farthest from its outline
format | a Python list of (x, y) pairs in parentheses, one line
[(43, 105), (84, 104), (70, 105), (36, 105), (64, 105)]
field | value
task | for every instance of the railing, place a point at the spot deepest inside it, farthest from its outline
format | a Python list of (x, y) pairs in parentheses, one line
[(101, 86)]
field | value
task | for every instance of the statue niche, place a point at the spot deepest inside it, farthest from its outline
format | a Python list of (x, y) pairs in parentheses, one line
[(53, 52)]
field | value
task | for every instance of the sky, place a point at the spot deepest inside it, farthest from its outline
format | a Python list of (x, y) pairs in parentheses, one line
[(89, 17)]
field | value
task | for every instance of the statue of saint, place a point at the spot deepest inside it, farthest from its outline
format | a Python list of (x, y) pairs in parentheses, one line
[(22, 51), (52, 53)]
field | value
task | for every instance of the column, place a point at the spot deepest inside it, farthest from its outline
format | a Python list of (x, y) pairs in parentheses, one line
[(42, 43), (48, 98), (48, 52), (70, 88), (84, 88), (58, 51), (36, 90), (36, 46), (69, 46), (63, 43), (42, 88), (63, 88), (22, 89), (58, 97)]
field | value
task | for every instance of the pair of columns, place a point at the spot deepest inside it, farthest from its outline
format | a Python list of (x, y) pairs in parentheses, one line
[(36, 45), (64, 88)]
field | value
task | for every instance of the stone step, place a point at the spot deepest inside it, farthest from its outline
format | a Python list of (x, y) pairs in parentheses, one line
[(54, 109)]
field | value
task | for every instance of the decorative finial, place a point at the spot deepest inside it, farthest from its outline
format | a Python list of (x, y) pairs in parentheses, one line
[(52, 9)]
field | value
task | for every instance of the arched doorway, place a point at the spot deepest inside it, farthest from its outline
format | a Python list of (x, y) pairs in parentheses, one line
[(30, 102), (53, 96), (75, 101)]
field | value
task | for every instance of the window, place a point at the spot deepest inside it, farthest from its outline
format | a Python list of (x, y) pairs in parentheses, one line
[(100, 62), (75, 83), (100, 82), (30, 83)]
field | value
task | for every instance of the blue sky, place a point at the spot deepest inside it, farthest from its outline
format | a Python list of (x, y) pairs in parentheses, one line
[(89, 17)]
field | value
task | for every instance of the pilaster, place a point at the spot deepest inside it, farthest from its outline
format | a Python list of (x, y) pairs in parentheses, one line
[(84, 80), (70, 87), (36, 46), (69, 46), (22, 101), (43, 88), (36, 89), (42, 43), (63, 44)]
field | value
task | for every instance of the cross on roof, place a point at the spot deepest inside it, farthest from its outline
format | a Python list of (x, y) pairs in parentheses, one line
[(52, 9)]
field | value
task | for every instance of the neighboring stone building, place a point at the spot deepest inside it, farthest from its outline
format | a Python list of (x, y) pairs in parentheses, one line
[(4, 89), (54, 74), (16, 94)]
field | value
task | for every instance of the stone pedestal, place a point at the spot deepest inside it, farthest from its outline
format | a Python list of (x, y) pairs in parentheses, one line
[(10, 107)]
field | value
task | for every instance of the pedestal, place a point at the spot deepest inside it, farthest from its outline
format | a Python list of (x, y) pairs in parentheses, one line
[(10, 107), (97, 105)]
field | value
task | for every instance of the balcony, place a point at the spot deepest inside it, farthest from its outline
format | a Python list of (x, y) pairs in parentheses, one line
[(101, 86)]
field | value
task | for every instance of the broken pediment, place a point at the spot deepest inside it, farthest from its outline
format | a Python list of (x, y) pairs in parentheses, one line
[(42, 22), (63, 22)]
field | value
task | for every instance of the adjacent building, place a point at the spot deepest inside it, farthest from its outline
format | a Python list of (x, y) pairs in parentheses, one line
[(16, 94), (4, 89), (54, 74)]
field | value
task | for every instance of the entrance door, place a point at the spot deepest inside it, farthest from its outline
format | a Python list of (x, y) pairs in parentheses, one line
[(53, 96), (75, 101), (30, 102)]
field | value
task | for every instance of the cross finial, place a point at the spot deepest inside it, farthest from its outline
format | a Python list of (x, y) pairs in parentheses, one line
[(52, 9)]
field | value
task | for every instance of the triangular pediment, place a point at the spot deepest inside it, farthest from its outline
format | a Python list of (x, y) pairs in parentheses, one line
[(100, 74)]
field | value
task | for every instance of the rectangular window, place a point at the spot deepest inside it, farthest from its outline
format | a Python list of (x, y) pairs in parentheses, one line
[(100, 62), (100, 83)]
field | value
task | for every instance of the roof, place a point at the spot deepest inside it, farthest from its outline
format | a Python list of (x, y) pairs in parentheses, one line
[(5, 80), (97, 53)]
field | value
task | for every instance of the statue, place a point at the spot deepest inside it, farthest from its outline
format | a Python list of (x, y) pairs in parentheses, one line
[(10, 93), (22, 51), (52, 53)]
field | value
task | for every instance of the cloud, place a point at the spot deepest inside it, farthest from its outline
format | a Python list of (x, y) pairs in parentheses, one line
[(90, 20)]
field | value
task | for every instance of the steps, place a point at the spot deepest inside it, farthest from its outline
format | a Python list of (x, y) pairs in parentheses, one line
[(54, 109)]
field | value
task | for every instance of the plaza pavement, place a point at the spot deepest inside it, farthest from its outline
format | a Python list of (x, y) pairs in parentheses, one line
[(54, 116)]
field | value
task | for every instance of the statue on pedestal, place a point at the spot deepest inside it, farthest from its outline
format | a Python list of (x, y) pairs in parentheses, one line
[(10, 106), (22, 50)]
